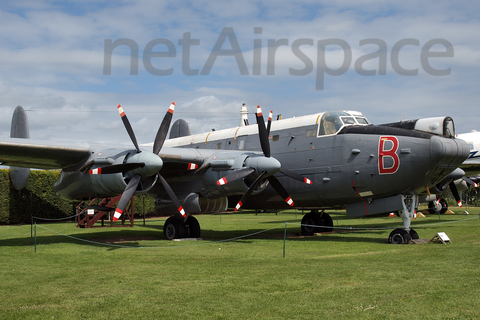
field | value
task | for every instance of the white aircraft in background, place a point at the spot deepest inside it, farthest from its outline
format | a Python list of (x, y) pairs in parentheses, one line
[(471, 167)]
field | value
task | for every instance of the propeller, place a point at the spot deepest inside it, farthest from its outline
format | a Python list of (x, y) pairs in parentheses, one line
[(453, 189), (266, 166), (141, 165)]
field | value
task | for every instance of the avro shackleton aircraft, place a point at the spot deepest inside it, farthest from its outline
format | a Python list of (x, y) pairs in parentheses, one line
[(326, 160)]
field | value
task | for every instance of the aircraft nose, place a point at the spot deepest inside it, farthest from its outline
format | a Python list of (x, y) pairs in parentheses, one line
[(450, 152)]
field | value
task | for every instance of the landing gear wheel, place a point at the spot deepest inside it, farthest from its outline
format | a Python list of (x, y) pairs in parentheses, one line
[(327, 223), (441, 207), (174, 228), (399, 236), (193, 227), (310, 220), (414, 234)]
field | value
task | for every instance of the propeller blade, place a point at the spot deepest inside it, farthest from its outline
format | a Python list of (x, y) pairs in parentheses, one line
[(172, 196), (239, 174), (262, 132), (126, 196), (269, 123), (454, 190), (127, 125), (295, 176), (163, 130), (470, 182), (280, 190), (249, 191), (117, 168)]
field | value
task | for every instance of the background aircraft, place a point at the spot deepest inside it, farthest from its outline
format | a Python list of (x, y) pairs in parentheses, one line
[(326, 160), (465, 178)]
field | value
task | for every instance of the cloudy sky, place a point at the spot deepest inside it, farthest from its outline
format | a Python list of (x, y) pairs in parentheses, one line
[(69, 63)]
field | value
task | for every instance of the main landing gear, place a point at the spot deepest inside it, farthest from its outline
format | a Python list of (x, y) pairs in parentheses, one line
[(178, 228), (400, 236), (316, 222)]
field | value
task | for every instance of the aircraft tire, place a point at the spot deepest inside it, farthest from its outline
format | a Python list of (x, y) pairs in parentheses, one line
[(414, 234), (327, 222), (309, 220), (193, 227), (174, 228), (399, 236)]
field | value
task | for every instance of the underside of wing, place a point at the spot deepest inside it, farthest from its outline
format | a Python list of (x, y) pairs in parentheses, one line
[(40, 155)]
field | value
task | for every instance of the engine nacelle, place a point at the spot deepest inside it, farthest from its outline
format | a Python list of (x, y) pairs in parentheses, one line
[(222, 165), (192, 203), (82, 185)]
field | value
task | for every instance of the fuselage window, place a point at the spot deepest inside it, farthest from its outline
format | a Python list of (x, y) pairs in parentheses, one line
[(219, 146), (275, 137), (311, 133)]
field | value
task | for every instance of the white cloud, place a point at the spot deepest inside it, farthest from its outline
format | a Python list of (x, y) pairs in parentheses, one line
[(52, 58)]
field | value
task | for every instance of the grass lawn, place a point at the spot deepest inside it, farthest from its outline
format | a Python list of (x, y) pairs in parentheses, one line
[(134, 274)]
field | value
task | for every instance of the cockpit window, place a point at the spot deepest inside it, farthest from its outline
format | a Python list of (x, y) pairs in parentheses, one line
[(332, 122), (448, 128), (361, 120), (348, 120)]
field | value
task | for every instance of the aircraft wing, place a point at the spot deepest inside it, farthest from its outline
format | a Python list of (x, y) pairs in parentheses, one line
[(40, 155), (471, 167)]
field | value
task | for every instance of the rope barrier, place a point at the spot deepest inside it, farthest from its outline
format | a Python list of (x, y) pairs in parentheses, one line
[(243, 236)]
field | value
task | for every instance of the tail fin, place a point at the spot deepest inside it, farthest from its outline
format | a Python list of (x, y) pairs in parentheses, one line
[(179, 129), (19, 129)]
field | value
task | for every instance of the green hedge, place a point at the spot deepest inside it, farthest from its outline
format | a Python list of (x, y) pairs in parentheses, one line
[(39, 199)]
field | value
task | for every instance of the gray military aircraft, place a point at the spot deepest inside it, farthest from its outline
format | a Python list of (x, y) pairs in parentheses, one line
[(326, 160)]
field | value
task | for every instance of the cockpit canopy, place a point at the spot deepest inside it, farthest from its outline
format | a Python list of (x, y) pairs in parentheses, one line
[(333, 122)]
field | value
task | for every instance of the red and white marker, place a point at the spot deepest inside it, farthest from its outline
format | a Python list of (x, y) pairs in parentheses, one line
[(259, 111), (270, 115), (192, 166), (289, 201), (182, 212), (239, 204), (172, 107), (95, 171), (118, 214), (120, 110), (307, 181), (222, 181)]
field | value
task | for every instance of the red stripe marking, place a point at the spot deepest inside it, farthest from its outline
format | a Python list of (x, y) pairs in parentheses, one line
[(270, 115), (364, 202), (221, 182)]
